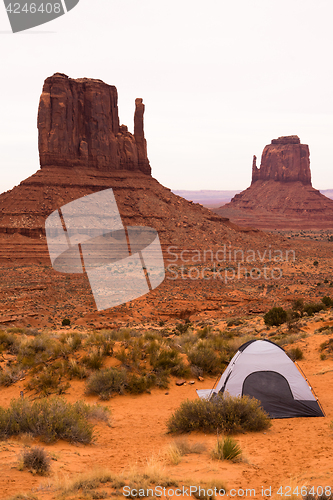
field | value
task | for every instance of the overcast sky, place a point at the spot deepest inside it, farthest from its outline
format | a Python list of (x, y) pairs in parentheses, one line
[(219, 79)]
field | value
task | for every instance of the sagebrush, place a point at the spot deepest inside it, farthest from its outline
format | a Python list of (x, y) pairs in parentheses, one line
[(225, 414)]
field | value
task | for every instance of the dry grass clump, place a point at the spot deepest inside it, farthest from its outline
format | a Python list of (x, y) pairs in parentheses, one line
[(295, 354), (10, 375), (49, 419), (180, 447), (47, 382), (8, 342), (223, 413), (186, 447), (72, 340)]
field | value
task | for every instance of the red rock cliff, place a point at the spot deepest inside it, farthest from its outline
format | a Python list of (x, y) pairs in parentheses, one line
[(284, 160), (78, 125)]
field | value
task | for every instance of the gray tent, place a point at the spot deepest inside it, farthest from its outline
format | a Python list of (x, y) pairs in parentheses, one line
[(262, 369)]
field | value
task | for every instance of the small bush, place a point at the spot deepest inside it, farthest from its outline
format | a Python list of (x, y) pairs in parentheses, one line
[(168, 360), (295, 354), (182, 328), (205, 358), (105, 382), (234, 322), (227, 449), (93, 360), (49, 419), (313, 307), (66, 322), (327, 301), (298, 306), (36, 459), (227, 414), (327, 345), (137, 384), (37, 350), (275, 316), (7, 341)]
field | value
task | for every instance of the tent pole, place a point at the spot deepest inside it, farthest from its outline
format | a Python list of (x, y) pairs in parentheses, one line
[(312, 389), (211, 392)]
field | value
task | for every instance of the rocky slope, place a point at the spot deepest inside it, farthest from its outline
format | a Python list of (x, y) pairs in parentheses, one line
[(281, 195)]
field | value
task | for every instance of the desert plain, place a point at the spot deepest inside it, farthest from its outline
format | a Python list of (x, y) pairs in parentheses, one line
[(221, 278)]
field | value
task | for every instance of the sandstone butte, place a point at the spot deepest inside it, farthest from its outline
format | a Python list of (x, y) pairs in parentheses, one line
[(281, 195), (83, 149)]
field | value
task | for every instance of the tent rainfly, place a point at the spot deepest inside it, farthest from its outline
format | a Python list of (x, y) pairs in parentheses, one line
[(261, 369)]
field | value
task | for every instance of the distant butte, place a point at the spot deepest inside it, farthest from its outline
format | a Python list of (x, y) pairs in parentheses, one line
[(83, 149), (281, 196)]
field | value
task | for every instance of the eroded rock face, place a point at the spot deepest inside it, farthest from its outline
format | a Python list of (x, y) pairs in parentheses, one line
[(78, 126), (284, 160)]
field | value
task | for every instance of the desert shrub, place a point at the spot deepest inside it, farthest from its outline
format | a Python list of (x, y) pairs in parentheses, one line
[(36, 350), (168, 360), (227, 449), (105, 382), (103, 340), (227, 414), (49, 419), (327, 301), (275, 316), (137, 384), (72, 340), (8, 342), (204, 332), (94, 359), (66, 322), (315, 263), (36, 459), (10, 375), (298, 306), (234, 322), (76, 370), (313, 307), (182, 327), (295, 353), (47, 382), (160, 380), (204, 357)]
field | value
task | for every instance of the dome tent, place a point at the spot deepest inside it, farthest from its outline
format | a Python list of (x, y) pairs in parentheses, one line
[(262, 369)]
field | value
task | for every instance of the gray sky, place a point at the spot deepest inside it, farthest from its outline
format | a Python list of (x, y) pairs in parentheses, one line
[(219, 79)]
